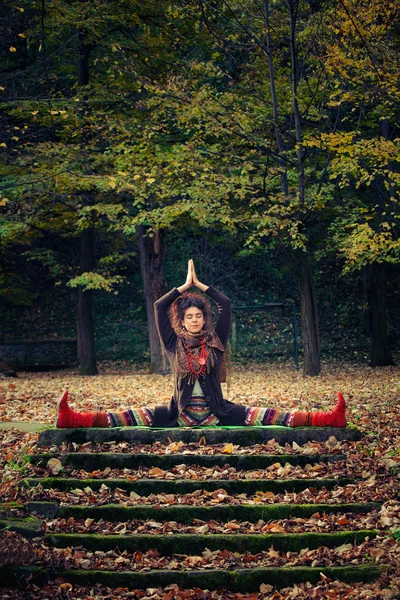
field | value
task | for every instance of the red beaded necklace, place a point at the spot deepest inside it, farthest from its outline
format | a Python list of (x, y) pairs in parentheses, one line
[(201, 359)]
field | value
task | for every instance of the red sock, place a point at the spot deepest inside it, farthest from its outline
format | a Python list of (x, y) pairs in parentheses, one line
[(67, 418), (335, 418), (300, 419)]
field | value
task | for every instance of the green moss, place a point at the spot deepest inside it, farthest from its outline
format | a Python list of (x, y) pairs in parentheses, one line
[(241, 580), (28, 520), (155, 486), (28, 527), (10, 506), (90, 461), (186, 514), (168, 545)]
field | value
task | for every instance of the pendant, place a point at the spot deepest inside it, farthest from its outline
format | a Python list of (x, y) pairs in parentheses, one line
[(202, 361)]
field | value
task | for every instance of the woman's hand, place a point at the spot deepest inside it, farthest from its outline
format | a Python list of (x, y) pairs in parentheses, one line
[(189, 278), (196, 281), (195, 278)]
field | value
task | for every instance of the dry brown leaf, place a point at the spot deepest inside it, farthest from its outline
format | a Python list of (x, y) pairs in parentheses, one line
[(55, 465)]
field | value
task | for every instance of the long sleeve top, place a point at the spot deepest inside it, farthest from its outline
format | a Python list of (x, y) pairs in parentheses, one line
[(227, 412)]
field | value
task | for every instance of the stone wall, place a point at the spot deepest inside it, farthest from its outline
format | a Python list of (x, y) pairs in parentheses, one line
[(43, 354)]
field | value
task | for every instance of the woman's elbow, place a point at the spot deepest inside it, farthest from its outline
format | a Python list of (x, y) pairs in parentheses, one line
[(227, 306)]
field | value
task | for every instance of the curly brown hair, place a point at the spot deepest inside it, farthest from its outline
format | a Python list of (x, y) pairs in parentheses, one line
[(187, 300)]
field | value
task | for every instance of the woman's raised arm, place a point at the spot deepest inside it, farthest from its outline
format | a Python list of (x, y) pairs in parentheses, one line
[(161, 306), (223, 324)]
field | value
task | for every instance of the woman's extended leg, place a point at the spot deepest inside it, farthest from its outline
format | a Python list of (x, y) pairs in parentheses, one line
[(272, 416), (133, 417), (68, 418)]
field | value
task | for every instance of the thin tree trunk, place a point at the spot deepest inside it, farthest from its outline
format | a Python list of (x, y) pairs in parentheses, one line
[(84, 308), (293, 6), (375, 282), (83, 59), (376, 294), (274, 100), (84, 313), (309, 315), (151, 253), (306, 284)]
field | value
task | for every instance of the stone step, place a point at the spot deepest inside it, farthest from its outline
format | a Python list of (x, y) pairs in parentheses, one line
[(90, 461), (188, 514), (239, 580), (27, 527), (188, 543), (145, 487), (244, 436), (167, 544)]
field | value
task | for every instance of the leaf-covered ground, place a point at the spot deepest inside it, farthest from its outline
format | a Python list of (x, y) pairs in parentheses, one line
[(373, 406), (370, 393)]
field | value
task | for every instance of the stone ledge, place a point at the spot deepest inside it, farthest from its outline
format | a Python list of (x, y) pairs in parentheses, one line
[(240, 580), (245, 436), (189, 513), (28, 527), (145, 487), (185, 543), (90, 461)]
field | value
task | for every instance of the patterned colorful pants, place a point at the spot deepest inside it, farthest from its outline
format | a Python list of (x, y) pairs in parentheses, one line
[(198, 413)]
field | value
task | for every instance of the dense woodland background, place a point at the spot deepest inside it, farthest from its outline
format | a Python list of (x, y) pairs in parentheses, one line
[(259, 138)]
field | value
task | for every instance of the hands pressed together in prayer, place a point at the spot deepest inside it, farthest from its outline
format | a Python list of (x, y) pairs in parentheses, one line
[(192, 279)]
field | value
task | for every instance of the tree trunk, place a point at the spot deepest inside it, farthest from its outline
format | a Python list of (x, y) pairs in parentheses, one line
[(293, 11), (83, 59), (151, 253), (84, 315), (309, 315), (274, 100), (376, 294), (84, 310)]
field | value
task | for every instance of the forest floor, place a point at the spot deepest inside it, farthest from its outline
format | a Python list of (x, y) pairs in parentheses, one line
[(371, 394), (372, 397)]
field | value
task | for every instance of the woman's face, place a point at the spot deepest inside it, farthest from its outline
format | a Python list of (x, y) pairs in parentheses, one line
[(193, 319)]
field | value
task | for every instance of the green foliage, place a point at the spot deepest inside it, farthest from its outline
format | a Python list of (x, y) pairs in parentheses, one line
[(96, 281), (184, 124), (21, 464)]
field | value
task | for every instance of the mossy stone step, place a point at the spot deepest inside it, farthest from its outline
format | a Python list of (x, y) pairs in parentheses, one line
[(28, 527), (8, 509), (240, 580), (188, 543), (145, 487), (245, 436), (187, 513), (90, 461)]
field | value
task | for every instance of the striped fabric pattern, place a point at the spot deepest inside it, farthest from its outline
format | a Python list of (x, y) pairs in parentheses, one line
[(132, 417), (267, 416), (197, 413)]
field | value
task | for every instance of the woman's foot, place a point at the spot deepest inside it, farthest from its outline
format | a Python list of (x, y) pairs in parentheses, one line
[(69, 419), (63, 411), (339, 412), (334, 418)]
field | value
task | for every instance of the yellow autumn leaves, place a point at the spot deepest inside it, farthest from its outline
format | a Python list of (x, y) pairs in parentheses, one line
[(113, 183)]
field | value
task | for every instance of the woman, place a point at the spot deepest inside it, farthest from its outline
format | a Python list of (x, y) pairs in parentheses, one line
[(196, 353)]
